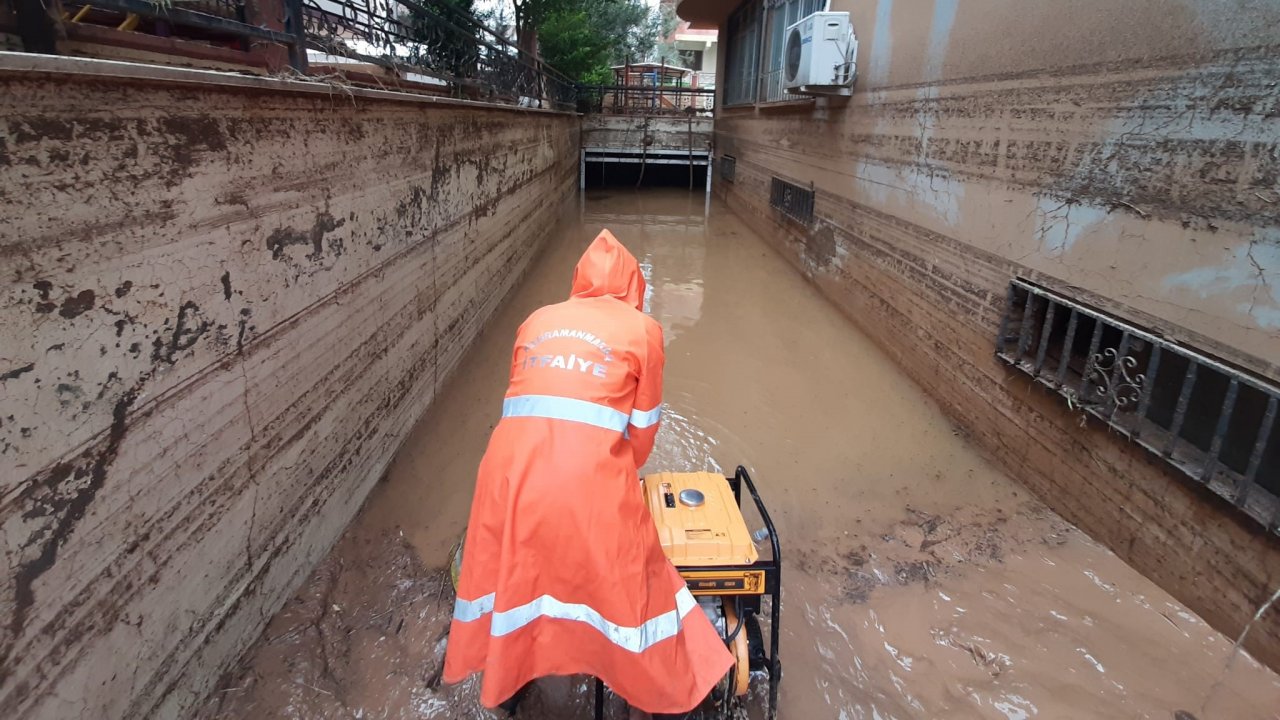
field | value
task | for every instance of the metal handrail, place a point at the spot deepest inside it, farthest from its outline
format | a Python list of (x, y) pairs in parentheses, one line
[(456, 47), (645, 99), (438, 41), (194, 18)]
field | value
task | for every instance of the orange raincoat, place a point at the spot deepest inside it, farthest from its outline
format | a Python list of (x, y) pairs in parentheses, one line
[(562, 572)]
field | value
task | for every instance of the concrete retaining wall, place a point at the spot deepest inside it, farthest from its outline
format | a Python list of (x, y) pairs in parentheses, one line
[(1125, 153), (649, 132), (226, 302)]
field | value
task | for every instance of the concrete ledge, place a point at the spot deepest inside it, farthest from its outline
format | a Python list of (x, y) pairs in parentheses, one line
[(18, 62)]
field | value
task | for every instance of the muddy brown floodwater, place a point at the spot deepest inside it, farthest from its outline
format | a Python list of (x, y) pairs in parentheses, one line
[(919, 580)]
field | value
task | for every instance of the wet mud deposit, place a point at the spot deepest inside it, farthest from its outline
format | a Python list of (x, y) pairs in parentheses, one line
[(919, 581)]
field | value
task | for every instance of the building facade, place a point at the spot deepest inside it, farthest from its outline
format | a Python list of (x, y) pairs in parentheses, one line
[(697, 48), (1063, 221)]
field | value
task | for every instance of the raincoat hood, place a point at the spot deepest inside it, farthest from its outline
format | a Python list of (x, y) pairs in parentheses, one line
[(607, 269)]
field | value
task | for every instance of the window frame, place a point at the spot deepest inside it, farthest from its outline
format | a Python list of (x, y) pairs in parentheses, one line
[(755, 42), (742, 48)]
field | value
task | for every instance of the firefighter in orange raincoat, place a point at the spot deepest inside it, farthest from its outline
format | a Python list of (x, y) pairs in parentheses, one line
[(562, 572)]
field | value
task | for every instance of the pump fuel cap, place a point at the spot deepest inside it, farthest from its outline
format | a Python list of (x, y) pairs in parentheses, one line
[(692, 498)]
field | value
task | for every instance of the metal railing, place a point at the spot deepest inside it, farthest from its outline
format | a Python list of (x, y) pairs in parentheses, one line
[(771, 89), (434, 44), (227, 24), (1213, 422), (646, 100), (428, 43)]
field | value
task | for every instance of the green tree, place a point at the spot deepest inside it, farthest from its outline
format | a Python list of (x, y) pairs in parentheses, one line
[(530, 15), (664, 22), (572, 46), (583, 38)]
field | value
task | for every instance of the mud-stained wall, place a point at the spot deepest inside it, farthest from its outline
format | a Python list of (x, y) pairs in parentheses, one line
[(224, 306), (653, 133), (1127, 153)]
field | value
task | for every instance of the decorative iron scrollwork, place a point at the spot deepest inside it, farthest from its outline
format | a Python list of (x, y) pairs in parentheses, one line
[(1116, 384), (446, 46), (1045, 335)]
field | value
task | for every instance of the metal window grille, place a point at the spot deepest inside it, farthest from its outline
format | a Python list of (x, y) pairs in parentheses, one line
[(742, 58), (728, 168), (1215, 423), (794, 201), (781, 14)]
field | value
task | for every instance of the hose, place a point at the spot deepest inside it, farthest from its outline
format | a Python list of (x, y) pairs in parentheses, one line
[(737, 610)]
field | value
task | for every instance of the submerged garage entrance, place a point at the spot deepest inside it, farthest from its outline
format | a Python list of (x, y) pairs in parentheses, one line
[(647, 136)]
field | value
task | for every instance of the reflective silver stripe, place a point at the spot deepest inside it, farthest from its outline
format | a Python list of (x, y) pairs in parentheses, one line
[(646, 418), (563, 408), (634, 639), (468, 610)]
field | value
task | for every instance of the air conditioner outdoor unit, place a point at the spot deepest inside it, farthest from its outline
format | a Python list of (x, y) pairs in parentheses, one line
[(819, 57)]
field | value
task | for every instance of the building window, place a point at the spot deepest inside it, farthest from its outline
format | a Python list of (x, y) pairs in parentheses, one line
[(692, 59), (1215, 423), (780, 14), (755, 42), (742, 54), (728, 167), (795, 201)]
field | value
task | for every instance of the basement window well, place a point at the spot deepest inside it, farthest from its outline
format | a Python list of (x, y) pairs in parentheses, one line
[(795, 201), (728, 168), (1213, 422)]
